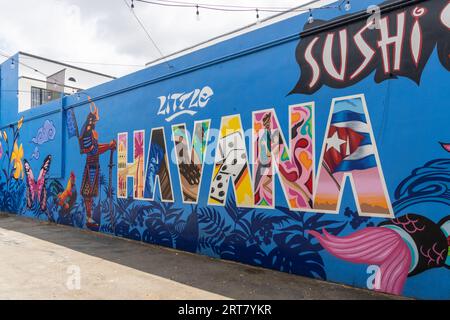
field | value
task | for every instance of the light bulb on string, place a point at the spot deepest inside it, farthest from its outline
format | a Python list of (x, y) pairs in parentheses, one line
[(197, 14), (347, 5), (13, 65), (310, 18), (132, 4), (257, 16)]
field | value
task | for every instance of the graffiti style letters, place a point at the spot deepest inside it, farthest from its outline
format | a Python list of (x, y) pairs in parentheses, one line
[(416, 35), (294, 165), (349, 149), (392, 44), (231, 163), (190, 158), (158, 169), (177, 104), (396, 41), (365, 50), (135, 169), (327, 57)]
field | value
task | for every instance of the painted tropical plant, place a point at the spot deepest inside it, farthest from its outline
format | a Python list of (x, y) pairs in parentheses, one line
[(12, 188), (273, 240), (276, 239)]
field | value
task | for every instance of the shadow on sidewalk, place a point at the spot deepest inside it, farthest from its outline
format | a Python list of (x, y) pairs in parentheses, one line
[(228, 279)]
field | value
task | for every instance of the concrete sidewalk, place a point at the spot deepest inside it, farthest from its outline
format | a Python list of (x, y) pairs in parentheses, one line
[(39, 259)]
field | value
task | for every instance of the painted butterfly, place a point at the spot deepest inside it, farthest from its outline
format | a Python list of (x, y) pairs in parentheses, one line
[(36, 189)]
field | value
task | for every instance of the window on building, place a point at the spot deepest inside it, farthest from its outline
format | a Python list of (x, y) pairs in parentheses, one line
[(40, 96)]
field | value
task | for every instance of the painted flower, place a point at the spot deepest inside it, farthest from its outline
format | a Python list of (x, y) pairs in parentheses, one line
[(19, 124), (17, 156), (5, 136)]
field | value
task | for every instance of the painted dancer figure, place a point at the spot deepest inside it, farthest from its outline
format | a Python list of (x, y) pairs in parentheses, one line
[(90, 146)]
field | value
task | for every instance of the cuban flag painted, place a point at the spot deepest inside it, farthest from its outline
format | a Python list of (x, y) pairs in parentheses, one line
[(349, 145)]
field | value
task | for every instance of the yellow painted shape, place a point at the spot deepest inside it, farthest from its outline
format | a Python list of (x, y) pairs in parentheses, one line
[(230, 125), (244, 191), (305, 160)]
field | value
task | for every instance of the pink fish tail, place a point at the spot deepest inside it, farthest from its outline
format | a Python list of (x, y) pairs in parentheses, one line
[(373, 246)]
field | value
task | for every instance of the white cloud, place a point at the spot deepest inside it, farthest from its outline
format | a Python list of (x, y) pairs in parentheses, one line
[(105, 31)]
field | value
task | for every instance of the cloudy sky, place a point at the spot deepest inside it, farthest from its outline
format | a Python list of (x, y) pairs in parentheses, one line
[(105, 31)]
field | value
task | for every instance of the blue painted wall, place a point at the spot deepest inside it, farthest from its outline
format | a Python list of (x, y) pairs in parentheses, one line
[(252, 72)]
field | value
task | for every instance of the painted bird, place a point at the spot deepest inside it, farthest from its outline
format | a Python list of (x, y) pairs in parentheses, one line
[(64, 197)]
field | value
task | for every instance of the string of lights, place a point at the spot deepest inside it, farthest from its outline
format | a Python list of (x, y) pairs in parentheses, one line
[(228, 8), (237, 8), (185, 3)]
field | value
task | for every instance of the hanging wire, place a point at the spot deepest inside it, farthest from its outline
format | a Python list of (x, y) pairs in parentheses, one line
[(224, 8), (197, 6), (54, 82), (230, 8), (147, 33), (219, 5), (23, 64)]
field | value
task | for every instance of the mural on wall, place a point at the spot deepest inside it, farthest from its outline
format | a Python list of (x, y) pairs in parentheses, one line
[(446, 146), (36, 190), (67, 198), (12, 188), (231, 163), (407, 245), (36, 154), (303, 224), (44, 134), (190, 158), (158, 169), (350, 151), (135, 169), (175, 105), (365, 46), (294, 164), (89, 145)]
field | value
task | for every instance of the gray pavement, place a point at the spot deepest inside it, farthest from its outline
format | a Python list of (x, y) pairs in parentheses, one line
[(40, 260)]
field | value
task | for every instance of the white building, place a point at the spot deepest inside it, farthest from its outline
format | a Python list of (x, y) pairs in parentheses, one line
[(42, 80)]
